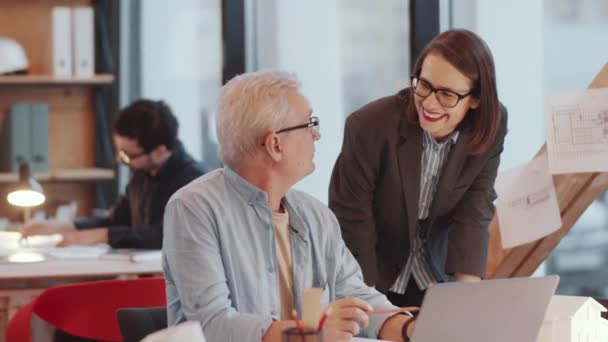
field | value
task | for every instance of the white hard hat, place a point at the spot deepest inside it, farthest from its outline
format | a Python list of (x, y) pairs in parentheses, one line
[(12, 56)]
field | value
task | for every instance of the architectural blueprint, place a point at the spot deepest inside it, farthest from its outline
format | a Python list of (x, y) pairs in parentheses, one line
[(577, 131), (527, 204)]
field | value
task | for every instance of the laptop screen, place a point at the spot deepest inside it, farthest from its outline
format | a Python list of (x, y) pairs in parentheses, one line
[(497, 310)]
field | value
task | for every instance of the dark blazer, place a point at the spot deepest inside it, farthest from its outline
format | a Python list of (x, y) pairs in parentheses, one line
[(375, 187)]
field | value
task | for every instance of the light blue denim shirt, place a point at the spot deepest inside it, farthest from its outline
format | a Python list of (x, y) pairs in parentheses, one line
[(221, 267)]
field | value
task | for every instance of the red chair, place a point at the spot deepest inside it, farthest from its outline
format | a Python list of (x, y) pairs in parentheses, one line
[(19, 328), (88, 310)]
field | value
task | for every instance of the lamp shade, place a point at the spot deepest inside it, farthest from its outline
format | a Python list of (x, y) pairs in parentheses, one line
[(28, 192)]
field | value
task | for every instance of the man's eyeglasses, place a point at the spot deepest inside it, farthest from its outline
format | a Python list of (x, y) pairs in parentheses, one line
[(314, 123), (445, 97), (125, 158)]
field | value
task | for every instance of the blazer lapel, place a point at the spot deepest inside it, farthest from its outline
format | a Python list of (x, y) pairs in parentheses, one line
[(409, 156)]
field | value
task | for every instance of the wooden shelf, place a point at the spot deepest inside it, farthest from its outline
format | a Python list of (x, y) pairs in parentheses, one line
[(50, 80), (90, 174)]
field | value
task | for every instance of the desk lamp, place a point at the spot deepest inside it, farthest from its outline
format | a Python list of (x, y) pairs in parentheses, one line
[(27, 193)]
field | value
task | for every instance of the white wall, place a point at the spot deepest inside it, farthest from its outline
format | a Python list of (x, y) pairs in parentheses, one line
[(181, 61), (514, 32)]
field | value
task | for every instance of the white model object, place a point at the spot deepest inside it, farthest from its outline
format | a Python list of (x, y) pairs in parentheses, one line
[(574, 319)]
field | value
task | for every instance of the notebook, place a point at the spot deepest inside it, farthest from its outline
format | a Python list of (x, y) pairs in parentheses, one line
[(133, 255), (498, 310)]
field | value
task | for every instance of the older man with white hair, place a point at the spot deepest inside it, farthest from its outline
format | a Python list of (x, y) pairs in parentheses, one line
[(240, 245)]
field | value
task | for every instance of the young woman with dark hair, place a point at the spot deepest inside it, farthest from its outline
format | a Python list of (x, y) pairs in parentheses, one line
[(413, 187)]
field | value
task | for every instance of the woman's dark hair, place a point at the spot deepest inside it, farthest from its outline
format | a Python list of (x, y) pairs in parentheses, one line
[(150, 123), (468, 53)]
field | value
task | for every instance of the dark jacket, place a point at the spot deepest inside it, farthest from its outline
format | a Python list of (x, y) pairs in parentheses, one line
[(375, 187), (137, 219)]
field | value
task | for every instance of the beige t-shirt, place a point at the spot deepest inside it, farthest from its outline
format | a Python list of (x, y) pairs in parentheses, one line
[(283, 248)]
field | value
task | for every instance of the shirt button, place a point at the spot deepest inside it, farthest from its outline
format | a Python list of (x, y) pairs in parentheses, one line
[(270, 269), (273, 312)]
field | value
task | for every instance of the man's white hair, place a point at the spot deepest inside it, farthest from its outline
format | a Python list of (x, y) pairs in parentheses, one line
[(250, 106)]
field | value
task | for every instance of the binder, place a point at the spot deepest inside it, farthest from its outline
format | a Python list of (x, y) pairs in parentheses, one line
[(39, 148), (62, 41), (83, 41), (16, 138), (26, 138)]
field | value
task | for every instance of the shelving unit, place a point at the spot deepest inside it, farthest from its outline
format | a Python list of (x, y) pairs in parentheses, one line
[(49, 80), (64, 175), (74, 121), (80, 110)]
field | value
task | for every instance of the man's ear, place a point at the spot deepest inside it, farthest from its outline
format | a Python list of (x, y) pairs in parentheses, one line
[(274, 147), (159, 151)]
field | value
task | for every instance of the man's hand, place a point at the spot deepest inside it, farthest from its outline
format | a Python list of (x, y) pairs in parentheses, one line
[(343, 321), (392, 328), (46, 227), (84, 237)]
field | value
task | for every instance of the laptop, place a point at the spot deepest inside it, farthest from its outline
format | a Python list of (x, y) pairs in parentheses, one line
[(497, 310)]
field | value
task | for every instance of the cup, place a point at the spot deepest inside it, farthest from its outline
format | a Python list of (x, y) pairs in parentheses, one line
[(306, 335)]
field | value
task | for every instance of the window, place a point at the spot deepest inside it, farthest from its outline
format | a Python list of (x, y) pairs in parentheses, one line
[(346, 53)]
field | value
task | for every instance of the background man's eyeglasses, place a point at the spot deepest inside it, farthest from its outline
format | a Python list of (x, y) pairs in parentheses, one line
[(125, 158), (314, 123), (446, 98)]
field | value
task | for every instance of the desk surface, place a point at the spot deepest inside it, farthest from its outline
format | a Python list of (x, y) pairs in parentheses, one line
[(76, 268)]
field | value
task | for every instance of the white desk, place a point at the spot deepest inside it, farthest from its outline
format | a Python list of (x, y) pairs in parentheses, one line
[(19, 282), (75, 268)]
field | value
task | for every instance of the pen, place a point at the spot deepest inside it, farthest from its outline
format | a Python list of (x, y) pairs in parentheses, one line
[(408, 309)]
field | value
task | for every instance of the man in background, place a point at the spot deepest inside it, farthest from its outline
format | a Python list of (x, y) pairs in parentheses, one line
[(145, 137)]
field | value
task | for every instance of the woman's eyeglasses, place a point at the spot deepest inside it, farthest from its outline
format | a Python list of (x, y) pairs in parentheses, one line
[(445, 97)]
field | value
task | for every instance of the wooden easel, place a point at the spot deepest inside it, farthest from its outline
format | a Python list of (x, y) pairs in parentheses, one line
[(575, 192)]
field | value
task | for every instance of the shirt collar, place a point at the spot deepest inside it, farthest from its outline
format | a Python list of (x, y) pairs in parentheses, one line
[(250, 192), (253, 194), (452, 139)]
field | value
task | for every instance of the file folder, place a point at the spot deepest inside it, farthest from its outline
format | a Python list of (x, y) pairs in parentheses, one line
[(26, 138), (16, 142), (39, 148), (62, 41), (83, 41)]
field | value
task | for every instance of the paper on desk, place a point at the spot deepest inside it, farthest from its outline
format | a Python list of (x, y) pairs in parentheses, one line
[(527, 204), (78, 252), (577, 131)]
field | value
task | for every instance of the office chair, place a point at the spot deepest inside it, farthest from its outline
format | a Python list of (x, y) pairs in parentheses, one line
[(19, 326), (137, 323), (88, 310)]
